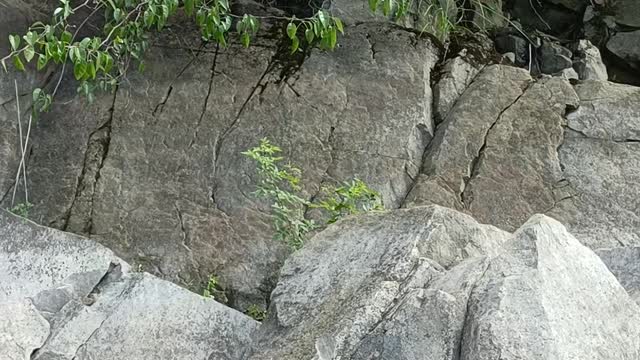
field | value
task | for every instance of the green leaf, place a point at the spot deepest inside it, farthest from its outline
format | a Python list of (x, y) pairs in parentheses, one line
[(245, 39), (79, 70), (66, 37), (322, 17), (117, 14), (338, 24), (29, 53), (309, 35), (295, 43), (35, 96), (373, 5), (292, 29), (333, 38), (42, 61), (15, 42), (386, 7), (18, 63), (189, 6)]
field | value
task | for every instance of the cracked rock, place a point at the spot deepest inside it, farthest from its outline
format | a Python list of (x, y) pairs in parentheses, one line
[(367, 275), (66, 297), (430, 280)]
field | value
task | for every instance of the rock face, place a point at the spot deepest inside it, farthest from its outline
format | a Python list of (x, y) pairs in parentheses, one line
[(432, 281), (66, 297), (626, 45), (154, 171), (528, 150)]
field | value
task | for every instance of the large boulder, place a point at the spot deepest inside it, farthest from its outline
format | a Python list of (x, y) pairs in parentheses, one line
[(429, 280), (338, 293), (549, 297), (600, 158), (155, 171), (66, 297), (505, 152)]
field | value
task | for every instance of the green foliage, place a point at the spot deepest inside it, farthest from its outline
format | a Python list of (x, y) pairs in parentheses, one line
[(22, 209), (281, 184), (99, 62), (255, 312), (351, 198), (212, 290)]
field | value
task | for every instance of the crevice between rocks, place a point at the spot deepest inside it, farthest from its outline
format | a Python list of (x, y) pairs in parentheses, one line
[(206, 99), (81, 220), (473, 171)]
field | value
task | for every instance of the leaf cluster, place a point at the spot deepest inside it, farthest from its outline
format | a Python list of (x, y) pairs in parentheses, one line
[(281, 184)]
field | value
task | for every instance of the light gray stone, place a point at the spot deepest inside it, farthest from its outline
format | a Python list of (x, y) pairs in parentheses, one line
[(624, 263), (549, 297), (588, 63), (65, 297), (599, 157), (455, 77), (453, 153), (155, 173), (369, 273), (517, 173)]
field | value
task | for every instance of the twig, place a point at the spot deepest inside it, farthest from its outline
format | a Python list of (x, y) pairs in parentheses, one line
[(21, 166)]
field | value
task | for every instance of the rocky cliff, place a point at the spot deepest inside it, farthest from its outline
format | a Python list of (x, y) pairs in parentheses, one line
[(142, 195)]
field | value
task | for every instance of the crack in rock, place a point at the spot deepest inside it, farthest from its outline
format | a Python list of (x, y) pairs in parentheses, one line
[(473, 170)]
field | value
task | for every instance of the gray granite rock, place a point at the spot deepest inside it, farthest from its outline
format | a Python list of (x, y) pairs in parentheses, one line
[(626, 46), (549, 297), (429, 280), (66, 297), (155, 173), (588, 63), (349, 292), (624, 263)]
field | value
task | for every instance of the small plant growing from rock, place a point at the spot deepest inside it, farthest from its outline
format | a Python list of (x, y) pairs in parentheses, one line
[(281, 184), (351, 198), (213, 290), (22, 209), (255, 312)]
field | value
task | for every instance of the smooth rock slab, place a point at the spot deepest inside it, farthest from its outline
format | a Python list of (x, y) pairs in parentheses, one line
[(66, 297)]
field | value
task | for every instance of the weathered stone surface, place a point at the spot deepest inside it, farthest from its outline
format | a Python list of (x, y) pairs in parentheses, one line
[(626, 45), (154, 171), (599, 157), (452, 155), (367, 274), (518, 164), (588, 63), (549, 297), (455, 76), (554, 58), (626, 12), (624, 263), (66, 297), (429, 280)]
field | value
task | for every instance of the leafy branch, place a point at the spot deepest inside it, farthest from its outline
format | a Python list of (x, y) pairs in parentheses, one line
[(281, 184)]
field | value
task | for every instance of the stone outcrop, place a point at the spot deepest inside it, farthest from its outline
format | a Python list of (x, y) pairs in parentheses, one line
[(154, 171), (428, 280), (66, 297)]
